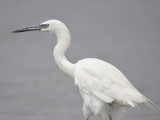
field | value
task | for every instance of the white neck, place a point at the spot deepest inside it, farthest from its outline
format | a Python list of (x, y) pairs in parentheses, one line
[(63, 41)]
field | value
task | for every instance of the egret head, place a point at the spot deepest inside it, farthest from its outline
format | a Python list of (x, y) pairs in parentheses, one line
[(47, 26)]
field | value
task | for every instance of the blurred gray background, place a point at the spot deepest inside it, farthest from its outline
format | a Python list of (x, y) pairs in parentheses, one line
[(124, 33)]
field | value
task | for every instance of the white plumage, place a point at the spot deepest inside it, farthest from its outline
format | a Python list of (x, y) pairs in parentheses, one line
[(105, 90)]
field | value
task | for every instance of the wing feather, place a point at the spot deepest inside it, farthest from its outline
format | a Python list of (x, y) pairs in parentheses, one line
[(106, 82)]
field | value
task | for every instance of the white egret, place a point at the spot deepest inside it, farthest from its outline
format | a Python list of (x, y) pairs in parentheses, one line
[(104, 89)]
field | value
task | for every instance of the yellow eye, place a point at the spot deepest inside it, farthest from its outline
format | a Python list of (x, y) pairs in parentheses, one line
[(47, 25), (44, 26)]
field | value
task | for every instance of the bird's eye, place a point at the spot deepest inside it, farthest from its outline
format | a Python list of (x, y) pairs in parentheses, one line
[(47, 25), (44, 25)]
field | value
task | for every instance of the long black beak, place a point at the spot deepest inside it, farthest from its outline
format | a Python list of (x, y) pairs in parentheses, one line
[(36, 28)]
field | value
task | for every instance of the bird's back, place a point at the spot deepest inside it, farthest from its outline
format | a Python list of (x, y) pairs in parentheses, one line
[(106, 82)]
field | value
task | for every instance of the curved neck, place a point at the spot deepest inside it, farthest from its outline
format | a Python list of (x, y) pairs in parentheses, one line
[(63, 41)]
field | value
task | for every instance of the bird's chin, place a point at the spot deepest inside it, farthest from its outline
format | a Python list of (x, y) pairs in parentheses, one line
[(44, 30)]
